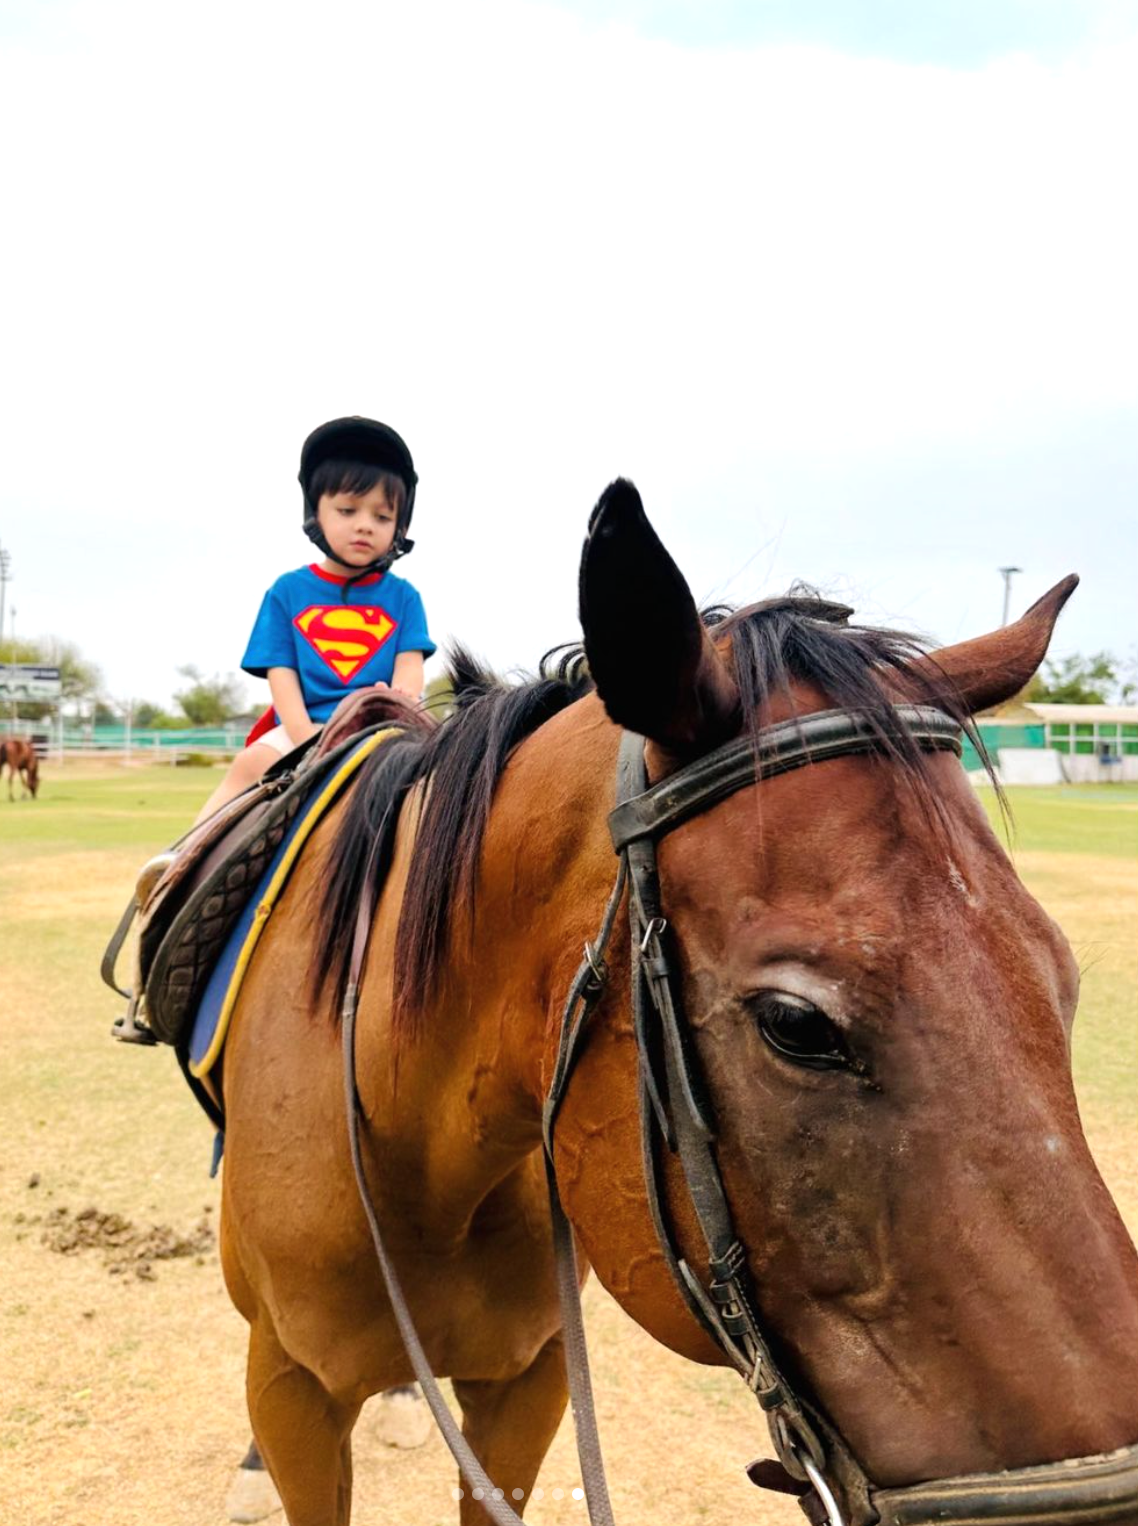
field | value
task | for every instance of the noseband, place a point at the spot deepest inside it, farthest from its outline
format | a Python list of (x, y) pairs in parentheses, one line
[(676, 1115)]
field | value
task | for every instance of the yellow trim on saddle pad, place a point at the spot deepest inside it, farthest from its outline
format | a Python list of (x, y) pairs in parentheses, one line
[(312, 814)]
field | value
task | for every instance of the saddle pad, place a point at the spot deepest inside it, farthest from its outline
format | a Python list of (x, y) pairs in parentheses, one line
[(211, 1021), (175, 972)]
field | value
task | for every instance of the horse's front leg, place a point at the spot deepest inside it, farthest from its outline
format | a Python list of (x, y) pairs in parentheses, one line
[(303, 1434), (510, 1424)]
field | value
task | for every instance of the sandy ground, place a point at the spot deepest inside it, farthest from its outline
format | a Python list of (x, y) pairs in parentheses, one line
[(123, 1393)]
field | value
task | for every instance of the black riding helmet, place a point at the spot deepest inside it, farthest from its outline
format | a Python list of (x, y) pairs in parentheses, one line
[(366, 440)]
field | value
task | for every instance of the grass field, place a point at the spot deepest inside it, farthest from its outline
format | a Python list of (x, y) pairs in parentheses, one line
[(123, 1396)]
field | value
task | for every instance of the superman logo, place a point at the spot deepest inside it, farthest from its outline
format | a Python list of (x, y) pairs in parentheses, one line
[(346, 636)]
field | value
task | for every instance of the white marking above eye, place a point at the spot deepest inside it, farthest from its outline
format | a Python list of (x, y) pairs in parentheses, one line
[(807, 985)]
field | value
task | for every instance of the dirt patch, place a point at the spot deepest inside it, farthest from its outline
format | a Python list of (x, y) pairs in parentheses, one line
[(126, 1248)]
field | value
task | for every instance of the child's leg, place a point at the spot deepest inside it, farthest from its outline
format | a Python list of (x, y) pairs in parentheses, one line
[(246, 768)]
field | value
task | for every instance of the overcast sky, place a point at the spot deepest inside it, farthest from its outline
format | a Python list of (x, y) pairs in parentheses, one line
[(848, 290)]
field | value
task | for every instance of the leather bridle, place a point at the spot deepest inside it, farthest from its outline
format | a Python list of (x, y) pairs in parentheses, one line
[(676, 1115)]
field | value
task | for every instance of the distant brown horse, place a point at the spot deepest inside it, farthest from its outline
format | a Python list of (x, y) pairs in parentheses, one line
[(20, 757), (879, 1016)]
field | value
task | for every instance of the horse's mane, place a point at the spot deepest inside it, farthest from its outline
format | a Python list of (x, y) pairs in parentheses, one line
[(800, 637)]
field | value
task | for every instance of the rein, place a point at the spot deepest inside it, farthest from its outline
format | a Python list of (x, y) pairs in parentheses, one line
[(675, 1113)]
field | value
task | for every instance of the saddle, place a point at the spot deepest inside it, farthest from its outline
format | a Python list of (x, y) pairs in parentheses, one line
[(189, 915)]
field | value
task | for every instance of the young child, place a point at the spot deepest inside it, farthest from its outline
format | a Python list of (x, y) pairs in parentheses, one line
[(345, 622)]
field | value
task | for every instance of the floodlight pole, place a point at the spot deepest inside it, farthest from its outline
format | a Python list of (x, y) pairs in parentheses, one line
[(5, 577), (1007, 573), (12, 666)]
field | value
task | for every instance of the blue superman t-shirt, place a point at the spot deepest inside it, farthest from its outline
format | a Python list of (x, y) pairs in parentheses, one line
[(336, 646)]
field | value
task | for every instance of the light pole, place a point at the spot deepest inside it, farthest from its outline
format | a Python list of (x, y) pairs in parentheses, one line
[(1006, 573), (5, 579), (15, 701)]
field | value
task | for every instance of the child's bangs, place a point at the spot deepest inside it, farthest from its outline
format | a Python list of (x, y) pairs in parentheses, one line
[(333, 477)]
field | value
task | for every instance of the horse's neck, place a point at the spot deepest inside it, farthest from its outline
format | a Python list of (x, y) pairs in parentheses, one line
[(478, 1070), (546, 869)]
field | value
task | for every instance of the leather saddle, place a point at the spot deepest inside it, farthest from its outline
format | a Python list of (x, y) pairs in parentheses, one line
[(188, 913)]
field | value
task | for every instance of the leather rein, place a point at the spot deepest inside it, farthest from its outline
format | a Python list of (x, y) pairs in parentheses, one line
[(675, 1115)]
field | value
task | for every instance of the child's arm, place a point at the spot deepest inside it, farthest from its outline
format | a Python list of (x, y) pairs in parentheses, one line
[(288, 702), (408, 674)]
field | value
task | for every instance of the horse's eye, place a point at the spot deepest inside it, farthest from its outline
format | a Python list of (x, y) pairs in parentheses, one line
[(799, 1031)]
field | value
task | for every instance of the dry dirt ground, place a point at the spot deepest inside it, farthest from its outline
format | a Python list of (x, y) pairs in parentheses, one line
[(122, 1359)]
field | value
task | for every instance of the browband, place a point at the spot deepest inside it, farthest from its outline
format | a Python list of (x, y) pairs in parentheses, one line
[(775, 750)]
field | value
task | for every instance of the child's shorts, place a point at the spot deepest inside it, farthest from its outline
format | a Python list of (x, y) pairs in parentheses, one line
[(278, 739)]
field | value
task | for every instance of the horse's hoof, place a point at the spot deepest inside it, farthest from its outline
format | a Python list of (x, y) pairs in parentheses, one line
[(402, 1417), (252, 1495)]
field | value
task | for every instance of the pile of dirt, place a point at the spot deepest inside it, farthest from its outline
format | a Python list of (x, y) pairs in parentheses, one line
[(126, 1247)]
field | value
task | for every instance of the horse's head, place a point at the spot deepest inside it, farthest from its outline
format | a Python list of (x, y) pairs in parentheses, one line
[(31, 768), (882, 1016)]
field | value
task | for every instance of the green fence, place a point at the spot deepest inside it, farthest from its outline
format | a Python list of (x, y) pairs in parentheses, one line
[(1120, 738), (189, 739), (996, 736)]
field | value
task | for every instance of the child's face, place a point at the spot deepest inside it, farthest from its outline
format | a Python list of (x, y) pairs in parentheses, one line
[(359, 527)]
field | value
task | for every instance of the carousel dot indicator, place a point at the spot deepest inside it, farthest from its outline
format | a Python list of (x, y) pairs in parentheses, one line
[(456, 1494), (559, 1494), (578, 1494), (519, 1494)]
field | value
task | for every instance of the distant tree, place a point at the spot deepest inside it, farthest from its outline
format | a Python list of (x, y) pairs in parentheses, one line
[(1128, 677), (210, 701), (438, 697), (150, 717), (18, 651), (80, 680), (1078, 680)]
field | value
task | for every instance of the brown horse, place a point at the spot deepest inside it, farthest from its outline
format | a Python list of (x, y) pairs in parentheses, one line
[(20, 757), (880, 1015)]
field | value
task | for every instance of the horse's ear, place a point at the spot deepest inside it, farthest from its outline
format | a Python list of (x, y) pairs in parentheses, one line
[(991, 669), (650, 657)]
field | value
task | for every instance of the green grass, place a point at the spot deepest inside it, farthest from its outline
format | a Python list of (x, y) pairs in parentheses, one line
[(115, 1127), (1090, 818), (143, 809)]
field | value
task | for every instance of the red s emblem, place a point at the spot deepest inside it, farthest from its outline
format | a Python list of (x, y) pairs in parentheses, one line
[(346, 636)]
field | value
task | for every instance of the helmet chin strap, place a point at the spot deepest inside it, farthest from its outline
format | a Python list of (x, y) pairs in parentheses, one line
[(399, 547)]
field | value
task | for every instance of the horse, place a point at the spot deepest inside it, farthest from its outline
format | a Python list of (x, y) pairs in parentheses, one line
[(20, 756), (878, 1027)]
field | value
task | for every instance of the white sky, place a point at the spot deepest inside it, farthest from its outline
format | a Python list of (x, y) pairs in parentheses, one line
[(854, 319)]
